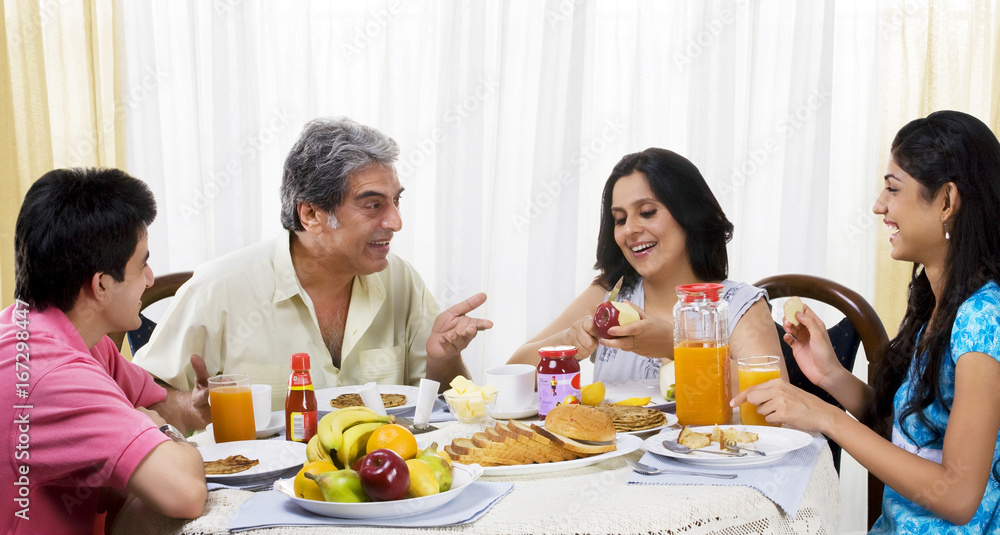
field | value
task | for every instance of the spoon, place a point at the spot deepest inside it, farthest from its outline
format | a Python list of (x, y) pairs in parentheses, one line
[(675, 447), (645, 469)]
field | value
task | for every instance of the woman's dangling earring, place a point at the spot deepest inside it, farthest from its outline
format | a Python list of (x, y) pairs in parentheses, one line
[(946, 235)]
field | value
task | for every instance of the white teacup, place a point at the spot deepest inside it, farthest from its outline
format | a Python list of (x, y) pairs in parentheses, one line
[(261, 405), (515, 384)]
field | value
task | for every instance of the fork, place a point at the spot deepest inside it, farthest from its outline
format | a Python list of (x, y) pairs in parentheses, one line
[(735, 446), (647, 470)]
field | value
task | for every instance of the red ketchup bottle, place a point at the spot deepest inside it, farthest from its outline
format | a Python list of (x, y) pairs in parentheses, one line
[(300, 402), (558, 378)]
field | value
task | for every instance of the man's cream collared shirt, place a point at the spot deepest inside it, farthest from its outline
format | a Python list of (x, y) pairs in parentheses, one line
[(246, 312)]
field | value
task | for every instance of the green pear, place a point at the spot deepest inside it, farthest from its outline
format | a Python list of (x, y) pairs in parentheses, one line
[(441, 467), (340, 486)]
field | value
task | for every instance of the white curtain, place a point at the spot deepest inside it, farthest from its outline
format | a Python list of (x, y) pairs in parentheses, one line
[(510, 116)]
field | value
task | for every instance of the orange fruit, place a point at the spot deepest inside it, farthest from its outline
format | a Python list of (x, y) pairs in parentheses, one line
[(394, 437), (307, 488)]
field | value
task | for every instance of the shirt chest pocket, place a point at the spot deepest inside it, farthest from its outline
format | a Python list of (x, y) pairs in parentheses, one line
[(383, 365)]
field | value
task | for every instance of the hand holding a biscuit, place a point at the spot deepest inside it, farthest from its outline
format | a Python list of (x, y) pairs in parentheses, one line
[(806, 334)]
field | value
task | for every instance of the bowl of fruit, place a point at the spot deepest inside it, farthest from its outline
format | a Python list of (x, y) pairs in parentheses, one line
[(470, 403), (361, 465)]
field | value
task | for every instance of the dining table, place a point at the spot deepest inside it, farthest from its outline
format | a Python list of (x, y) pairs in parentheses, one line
[(604, 497)]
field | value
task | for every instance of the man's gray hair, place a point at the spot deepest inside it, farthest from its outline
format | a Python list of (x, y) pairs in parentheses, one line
[(328, 151)]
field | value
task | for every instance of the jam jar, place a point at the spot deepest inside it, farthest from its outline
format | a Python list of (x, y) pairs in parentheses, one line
[(558, 378)]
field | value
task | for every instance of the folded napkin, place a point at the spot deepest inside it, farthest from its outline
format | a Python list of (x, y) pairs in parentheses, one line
[(783, 481), (272, 508), (439, 413)]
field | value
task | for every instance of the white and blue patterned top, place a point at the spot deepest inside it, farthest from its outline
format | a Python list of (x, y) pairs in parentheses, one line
[(976, 329)]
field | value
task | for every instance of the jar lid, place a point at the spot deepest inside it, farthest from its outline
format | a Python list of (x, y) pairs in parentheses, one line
[(300, 361), (557, 351), (709, 290)]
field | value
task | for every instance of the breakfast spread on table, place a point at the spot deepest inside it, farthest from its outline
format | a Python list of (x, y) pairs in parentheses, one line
[(569, 432), (233, 464), (731, 436), (354, 400)]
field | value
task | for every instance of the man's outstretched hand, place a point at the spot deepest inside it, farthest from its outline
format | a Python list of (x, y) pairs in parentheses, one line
[(453, 331)]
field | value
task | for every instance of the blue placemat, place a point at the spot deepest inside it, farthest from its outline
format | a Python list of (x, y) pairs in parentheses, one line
[(272, 509), (783, 481)]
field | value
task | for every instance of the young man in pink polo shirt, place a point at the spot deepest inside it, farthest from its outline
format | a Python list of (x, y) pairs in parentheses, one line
[(82, 422)]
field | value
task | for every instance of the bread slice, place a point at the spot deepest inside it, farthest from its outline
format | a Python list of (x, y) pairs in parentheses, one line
[(537, 451), (530, 434), (534, 455), (465, 454), (693, 439), (574, 445), (732, 435)]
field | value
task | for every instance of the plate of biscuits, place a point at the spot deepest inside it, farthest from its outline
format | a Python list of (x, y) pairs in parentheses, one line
[(243, 461), (774, 442), (396, 398)]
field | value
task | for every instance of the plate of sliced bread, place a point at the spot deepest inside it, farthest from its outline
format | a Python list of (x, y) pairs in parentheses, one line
[(774, 442), (571, 436)]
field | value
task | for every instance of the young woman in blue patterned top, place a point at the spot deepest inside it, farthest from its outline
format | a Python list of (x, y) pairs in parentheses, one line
[(939, 383)]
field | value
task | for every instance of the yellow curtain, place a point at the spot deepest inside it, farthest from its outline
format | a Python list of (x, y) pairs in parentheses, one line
[(940, 56), (57, 101)]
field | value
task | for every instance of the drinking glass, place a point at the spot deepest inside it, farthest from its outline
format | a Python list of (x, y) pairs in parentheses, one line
[(232, 407), (754, 371)]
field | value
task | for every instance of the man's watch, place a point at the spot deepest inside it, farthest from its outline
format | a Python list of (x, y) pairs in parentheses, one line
[(173, 433)]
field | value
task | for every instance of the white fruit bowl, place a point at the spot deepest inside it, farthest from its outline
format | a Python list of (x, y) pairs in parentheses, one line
[(462, 476)]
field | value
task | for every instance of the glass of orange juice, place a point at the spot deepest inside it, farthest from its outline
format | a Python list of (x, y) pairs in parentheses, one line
[(754, 371), (232, 407)]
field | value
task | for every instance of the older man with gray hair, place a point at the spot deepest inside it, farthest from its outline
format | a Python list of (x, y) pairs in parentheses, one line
[(328, 286)]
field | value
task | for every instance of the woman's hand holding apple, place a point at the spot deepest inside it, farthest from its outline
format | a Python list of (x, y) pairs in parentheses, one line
[(583, 336), (648, 337)]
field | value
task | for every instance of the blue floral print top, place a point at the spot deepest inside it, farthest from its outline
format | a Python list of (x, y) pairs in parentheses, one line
[(976, 329)]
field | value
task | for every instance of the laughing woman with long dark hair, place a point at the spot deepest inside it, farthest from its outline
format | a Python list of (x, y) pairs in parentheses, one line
[(939, 382)]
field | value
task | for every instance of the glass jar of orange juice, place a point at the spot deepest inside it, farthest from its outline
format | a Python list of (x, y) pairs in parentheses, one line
[(701, 355)]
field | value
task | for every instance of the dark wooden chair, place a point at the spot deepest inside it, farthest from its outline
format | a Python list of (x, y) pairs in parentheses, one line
[(860, 321), (163, 287)]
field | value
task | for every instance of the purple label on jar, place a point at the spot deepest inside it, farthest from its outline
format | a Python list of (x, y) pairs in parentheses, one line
[(554, 388)]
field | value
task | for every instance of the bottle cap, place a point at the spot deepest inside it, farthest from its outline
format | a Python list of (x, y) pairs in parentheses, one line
[(557, 351), (709, 290), (300, 361)]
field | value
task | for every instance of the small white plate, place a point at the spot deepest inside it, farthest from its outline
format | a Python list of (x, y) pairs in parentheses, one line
[(776, 442), (625, 444), (617, 391), (671, 420), (516, 415), (275, 457), (325, 395), (462, 476)]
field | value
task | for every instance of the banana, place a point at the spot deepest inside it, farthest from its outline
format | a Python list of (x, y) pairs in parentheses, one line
[(331, 427), (356, 442), (316, 452)]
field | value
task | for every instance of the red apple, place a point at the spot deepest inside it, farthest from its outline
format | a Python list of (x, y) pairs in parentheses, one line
[(384, 475), (612, 314)]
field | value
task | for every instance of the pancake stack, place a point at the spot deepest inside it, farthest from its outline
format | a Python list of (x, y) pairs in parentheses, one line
[(628, 418)]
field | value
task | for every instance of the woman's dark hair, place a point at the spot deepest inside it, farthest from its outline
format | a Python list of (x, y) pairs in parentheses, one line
[(947, 146), (678, 184), (74, 223)]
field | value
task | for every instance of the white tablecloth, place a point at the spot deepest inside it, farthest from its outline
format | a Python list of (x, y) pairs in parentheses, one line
[(593, 499)]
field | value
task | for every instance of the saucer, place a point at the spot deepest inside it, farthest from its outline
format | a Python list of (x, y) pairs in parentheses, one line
[(515, 415)]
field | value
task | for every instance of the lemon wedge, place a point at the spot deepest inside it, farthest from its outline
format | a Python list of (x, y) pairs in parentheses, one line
[(592, 394), (633, 402)]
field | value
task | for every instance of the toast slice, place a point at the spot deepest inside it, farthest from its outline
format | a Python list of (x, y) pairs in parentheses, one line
[(693, 439), (525, 431), (534, 455)]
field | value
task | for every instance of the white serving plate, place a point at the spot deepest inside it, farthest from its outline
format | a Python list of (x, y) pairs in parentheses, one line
[(275, 456), (775, 442), (325, 395), (462, 476), (625, 444)]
